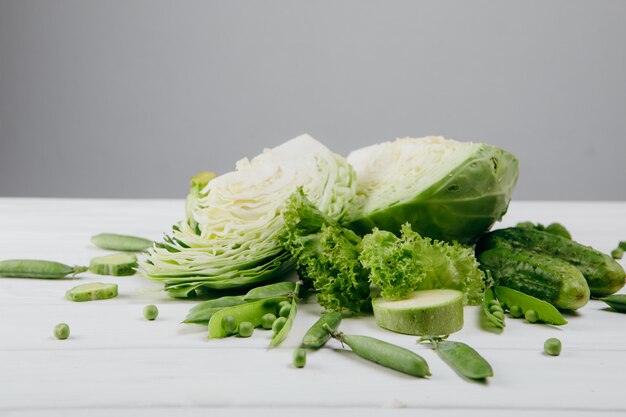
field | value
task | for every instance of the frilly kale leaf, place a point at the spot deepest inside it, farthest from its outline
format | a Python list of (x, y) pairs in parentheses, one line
[(399, 265), (326, 254)]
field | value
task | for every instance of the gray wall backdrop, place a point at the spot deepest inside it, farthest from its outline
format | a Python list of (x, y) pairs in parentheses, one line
[(130, 98)]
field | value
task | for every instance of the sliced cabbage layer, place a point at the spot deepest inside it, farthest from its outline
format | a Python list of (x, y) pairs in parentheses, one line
[(229, 238), (447, 190)]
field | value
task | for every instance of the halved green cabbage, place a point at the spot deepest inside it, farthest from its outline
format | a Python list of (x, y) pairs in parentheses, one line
[(229, 238), (445, 189)]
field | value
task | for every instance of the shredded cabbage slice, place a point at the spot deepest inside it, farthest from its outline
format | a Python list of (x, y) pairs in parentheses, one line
[(229, 238)]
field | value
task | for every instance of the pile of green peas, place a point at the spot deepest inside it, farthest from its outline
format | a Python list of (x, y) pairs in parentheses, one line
[(269, 321)]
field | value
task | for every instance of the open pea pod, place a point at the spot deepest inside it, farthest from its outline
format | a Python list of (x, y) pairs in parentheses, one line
[(489, 299), (546, 312), (251, 312), (281, 335)]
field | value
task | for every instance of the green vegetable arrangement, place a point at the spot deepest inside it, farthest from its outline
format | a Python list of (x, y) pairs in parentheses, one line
[(230, 236)]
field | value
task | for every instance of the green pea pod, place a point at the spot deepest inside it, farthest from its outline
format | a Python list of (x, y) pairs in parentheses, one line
[(616, 302), (279, 289), (488, 299), (386, 354), (114, 241), (546, 312), (462, 358), (251, 312), (201, 313), (31, 268), (318, 334), (281, 335)]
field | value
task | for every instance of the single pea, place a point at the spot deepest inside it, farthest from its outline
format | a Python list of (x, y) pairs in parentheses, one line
[(150, 312), (283, 303), (494, 302), (531, 316), (278, 324), (284, 311), (229, 324), (246, 329), (552, 346), (498, 314), (495, 308), (617, 253), (267, 320), (299, 358), (516, 311), (61, 331)]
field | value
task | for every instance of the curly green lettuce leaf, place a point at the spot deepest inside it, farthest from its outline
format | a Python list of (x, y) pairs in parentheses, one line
[(400, 265), (326, 255)]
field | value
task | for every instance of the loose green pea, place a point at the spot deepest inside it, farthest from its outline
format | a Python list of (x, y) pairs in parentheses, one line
[(552, 346), (150, 312), (246, 329), (229, 324), (531, 316), (284, 311), (516, 312), (61, 331), (299, 358), (267, 320), (617, 253), (278, 324)]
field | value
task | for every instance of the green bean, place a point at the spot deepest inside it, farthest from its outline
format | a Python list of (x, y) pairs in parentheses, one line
[(34, 268), (299, 358), (150, 312), (91, 292), (617, 302), (252, 312), (229, 324), (124, 243), (462, 358), (617, 253), (545, 311), (202, 313), (386, 354), (490, 300), (245, 329), (531, 316), (318, 335), (279, 289), (61, 331), (552, 346), (267, 320), (282, 333)]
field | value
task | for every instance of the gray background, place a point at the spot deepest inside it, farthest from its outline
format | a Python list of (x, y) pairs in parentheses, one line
[(130, 98)]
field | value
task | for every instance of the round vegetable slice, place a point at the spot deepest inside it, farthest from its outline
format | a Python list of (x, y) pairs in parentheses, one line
[(118, 264), (93, 291), (428, 312)]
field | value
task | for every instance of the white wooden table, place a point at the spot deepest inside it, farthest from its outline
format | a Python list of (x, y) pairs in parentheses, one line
[(117, 363)]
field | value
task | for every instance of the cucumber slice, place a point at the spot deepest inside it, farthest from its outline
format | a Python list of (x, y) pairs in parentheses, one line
[(118, 264), (90, 292), (428, 312)]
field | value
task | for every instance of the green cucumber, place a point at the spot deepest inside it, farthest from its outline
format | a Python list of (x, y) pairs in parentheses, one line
[(90, 292), (118, 264), (427, 312), (603, 274), (541, 276)]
